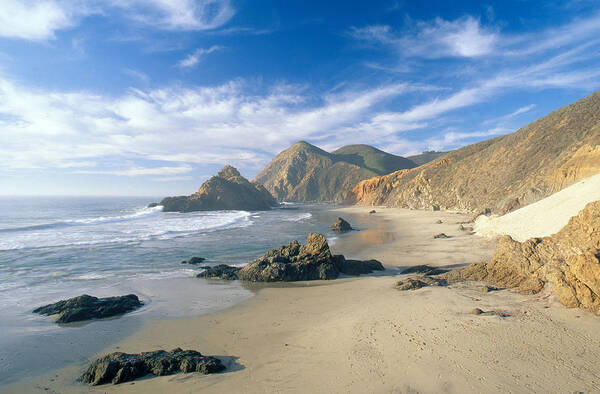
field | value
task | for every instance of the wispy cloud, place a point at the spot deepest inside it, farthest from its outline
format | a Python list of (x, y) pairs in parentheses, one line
[(194, 58), (141, 171), (41, 20), (464, 37)]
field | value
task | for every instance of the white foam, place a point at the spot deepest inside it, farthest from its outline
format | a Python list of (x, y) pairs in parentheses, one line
[(545, 217), (298, 218)]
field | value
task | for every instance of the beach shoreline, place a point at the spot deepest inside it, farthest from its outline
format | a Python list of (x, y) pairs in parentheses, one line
[(363, 335)]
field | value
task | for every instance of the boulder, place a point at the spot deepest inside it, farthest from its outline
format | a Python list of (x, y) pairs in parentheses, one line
[(120, 367), (341, 226), (153, 205), (357, 267), (372, 211), (221, 271), (86, 307)]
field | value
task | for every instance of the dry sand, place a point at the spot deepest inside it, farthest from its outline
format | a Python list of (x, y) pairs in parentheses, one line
[(361, 335), (545, 217)]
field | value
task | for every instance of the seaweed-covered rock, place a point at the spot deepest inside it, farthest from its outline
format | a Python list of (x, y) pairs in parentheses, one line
[(120, 367), (341, 226), (293, 262), (221, 271), (86, 307), (311, 261)]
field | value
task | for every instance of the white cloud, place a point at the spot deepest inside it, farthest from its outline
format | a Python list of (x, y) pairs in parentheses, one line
[(463, 37), (33, 20), (188, 125), (179, 14), (41, 19), (194, 58), (141, 171)]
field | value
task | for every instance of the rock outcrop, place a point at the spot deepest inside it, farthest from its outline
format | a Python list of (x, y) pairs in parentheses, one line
[(221, 271), (120, 367), (568, 260), (228, 190), (87, 307), (341, 226), (499, 174), (194, 260), (305, 172), (295, 262)]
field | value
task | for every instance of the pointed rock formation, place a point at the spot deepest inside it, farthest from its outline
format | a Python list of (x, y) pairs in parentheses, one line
[(228, 190)]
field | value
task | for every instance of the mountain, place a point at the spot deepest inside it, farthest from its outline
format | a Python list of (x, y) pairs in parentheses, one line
[(228, 190), (305, 172), (425, 157), (366, 156), (499, 174)]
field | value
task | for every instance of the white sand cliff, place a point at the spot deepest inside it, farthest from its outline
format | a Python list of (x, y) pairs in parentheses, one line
[(545, 217)]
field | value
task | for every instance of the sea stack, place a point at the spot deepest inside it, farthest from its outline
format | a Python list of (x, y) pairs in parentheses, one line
[(228, 190)]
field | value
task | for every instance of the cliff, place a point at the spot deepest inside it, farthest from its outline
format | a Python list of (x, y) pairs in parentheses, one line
[(500, 174)]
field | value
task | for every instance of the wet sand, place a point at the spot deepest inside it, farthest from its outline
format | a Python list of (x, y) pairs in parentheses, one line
[(362, 335)]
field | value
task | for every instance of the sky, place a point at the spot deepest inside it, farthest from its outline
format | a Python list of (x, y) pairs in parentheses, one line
[(152, 97)]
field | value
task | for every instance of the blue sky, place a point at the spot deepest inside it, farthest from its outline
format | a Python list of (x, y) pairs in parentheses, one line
[(151, 97)]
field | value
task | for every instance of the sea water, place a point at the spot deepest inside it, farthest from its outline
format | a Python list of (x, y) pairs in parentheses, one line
[(53, 248)]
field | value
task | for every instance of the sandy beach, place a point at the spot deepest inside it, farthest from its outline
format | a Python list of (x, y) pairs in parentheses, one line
[(362, 335)]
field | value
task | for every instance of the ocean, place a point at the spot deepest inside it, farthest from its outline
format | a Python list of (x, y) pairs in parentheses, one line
[(53, 248)]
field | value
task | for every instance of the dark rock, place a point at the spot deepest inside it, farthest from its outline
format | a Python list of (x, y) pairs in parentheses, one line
[(372, 211), (86, 307), (221, 271), (463, 228), (120, 367), (435, 207), (153, 205), (194, 260), (481, 312), (357, 267), (293, 262), (441, 235), (487, 289), (341, 226), (424, 269), (439, 222), (417, 282), (311, 261)]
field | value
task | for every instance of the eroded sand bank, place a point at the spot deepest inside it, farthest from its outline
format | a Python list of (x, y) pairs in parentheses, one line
[(362, 335)]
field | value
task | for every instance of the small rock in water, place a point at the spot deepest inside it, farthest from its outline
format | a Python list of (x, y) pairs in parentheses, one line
[(194, 260), (441, 235), (341, 226), (373, 211), (153, 205), (120, 367), (86, 307), (221, 271)]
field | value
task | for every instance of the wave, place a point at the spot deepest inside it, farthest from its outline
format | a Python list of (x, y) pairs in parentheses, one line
[(133, 228), (142, 213), (298, 218)]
